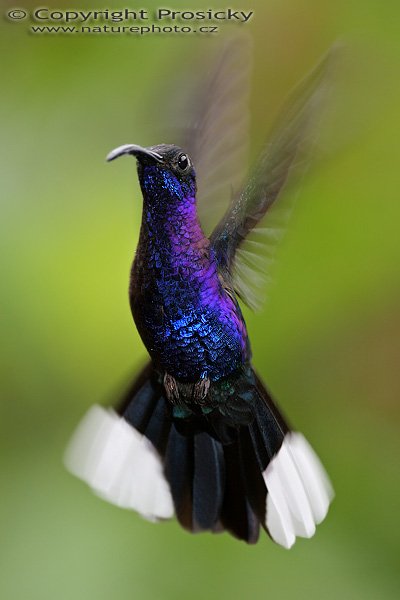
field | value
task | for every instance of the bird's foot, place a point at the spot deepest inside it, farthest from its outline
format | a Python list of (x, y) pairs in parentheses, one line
[(200, 389), (171, 388)]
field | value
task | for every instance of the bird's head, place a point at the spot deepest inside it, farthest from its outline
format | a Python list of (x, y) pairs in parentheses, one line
[(166, 174)]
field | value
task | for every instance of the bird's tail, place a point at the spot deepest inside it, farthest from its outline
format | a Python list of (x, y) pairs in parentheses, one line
[(144, 458)]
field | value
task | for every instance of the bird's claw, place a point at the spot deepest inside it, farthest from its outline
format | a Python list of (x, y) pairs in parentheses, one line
[(171, 388), (200, 389)]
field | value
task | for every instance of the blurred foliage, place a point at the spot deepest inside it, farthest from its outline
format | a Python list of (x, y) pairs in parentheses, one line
[(327, 343)]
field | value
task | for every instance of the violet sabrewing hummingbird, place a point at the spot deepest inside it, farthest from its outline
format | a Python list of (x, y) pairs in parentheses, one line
[(198, 435)]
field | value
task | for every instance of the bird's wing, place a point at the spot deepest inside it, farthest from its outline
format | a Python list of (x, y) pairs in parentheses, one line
[(244, 259), (217, 131)]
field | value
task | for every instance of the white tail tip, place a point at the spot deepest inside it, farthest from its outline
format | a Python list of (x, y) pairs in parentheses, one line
[(119, 464), (299, 491)]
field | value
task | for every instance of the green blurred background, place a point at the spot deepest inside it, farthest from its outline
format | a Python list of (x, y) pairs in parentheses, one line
[(327, 343)]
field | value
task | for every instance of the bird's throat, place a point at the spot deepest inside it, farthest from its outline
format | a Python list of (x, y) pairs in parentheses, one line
[(174, 238)]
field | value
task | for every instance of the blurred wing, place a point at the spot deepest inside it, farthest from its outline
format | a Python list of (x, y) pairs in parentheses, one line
[(245, 264), (216, 137)]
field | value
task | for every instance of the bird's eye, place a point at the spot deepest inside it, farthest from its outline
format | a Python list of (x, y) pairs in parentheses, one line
[(183, 162)]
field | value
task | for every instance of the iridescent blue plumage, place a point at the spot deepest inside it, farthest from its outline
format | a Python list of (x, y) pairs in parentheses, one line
[(191, 325)]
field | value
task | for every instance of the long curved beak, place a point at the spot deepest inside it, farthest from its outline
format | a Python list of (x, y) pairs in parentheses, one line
[(135, 150)]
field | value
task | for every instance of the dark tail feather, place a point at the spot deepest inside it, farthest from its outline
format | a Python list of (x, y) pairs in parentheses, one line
[(259, 473), (194, 467), (145, 408), (254, 483), (208, 481), (158, 427), (268, 429), (179, 473), (140, 400), (237, 514)]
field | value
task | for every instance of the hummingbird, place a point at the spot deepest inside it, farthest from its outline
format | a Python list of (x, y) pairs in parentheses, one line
[(198, 435)]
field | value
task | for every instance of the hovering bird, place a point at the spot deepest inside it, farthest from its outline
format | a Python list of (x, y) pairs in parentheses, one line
[(198, 434)]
